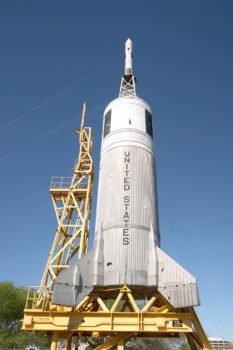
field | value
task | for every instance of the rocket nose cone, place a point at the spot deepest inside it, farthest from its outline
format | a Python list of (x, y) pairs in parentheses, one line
[(128, 42), (128, 57)]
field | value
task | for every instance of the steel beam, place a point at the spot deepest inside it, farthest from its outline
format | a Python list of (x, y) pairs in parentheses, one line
[(54, 341), (107, 321)]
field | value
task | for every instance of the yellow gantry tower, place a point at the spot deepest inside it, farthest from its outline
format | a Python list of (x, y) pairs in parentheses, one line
[(71, 198), (118, 314)]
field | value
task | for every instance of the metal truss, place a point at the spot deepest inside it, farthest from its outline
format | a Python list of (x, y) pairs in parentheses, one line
[(71, 198), (128, 86), (119, 315)]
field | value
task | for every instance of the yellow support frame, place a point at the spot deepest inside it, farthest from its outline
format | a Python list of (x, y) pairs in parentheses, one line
[(123, 318)]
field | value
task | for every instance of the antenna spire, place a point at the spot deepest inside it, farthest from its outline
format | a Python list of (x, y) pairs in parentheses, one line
[(128, 57), (128, 81)]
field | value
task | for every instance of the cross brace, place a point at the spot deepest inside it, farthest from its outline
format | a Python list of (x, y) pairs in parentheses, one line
[(123, 318)]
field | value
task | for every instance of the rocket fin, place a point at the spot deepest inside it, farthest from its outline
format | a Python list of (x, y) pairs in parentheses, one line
[(176, 284), (73, 284)]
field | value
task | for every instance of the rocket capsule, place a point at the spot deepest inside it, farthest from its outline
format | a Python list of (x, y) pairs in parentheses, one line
[(126, 248)]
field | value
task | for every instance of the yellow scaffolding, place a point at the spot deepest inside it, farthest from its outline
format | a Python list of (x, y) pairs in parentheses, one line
[(71, 198), (118, 314)]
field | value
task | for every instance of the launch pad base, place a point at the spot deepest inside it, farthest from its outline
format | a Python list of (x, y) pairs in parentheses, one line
[(118, 316)]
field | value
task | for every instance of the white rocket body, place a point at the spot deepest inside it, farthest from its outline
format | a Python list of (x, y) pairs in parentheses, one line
[(127, 210), (126, 248)]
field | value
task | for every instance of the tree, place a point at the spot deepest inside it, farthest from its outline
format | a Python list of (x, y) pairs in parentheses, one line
[(13, 300), (12, 305)]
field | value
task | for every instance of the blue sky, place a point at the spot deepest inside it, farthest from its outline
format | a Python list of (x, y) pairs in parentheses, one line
[(57, 54)]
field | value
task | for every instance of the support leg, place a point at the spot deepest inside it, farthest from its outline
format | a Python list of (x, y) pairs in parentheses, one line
[(191, 342), (121, 345), (68, 343), (203, 340), (54, 341)]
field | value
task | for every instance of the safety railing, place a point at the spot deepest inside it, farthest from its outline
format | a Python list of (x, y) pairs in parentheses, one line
[(37, 301), (58, 182), (64, 182)]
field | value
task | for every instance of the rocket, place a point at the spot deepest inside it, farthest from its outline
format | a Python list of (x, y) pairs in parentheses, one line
[(127, 239)]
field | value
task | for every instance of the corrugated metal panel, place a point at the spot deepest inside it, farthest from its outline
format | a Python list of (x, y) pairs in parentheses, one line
[(110, 206), (175, 283), (141, 212), (122, 260), (120, 256)]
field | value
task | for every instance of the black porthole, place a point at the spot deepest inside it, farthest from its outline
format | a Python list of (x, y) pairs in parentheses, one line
[(107, 123), (149, 128)]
